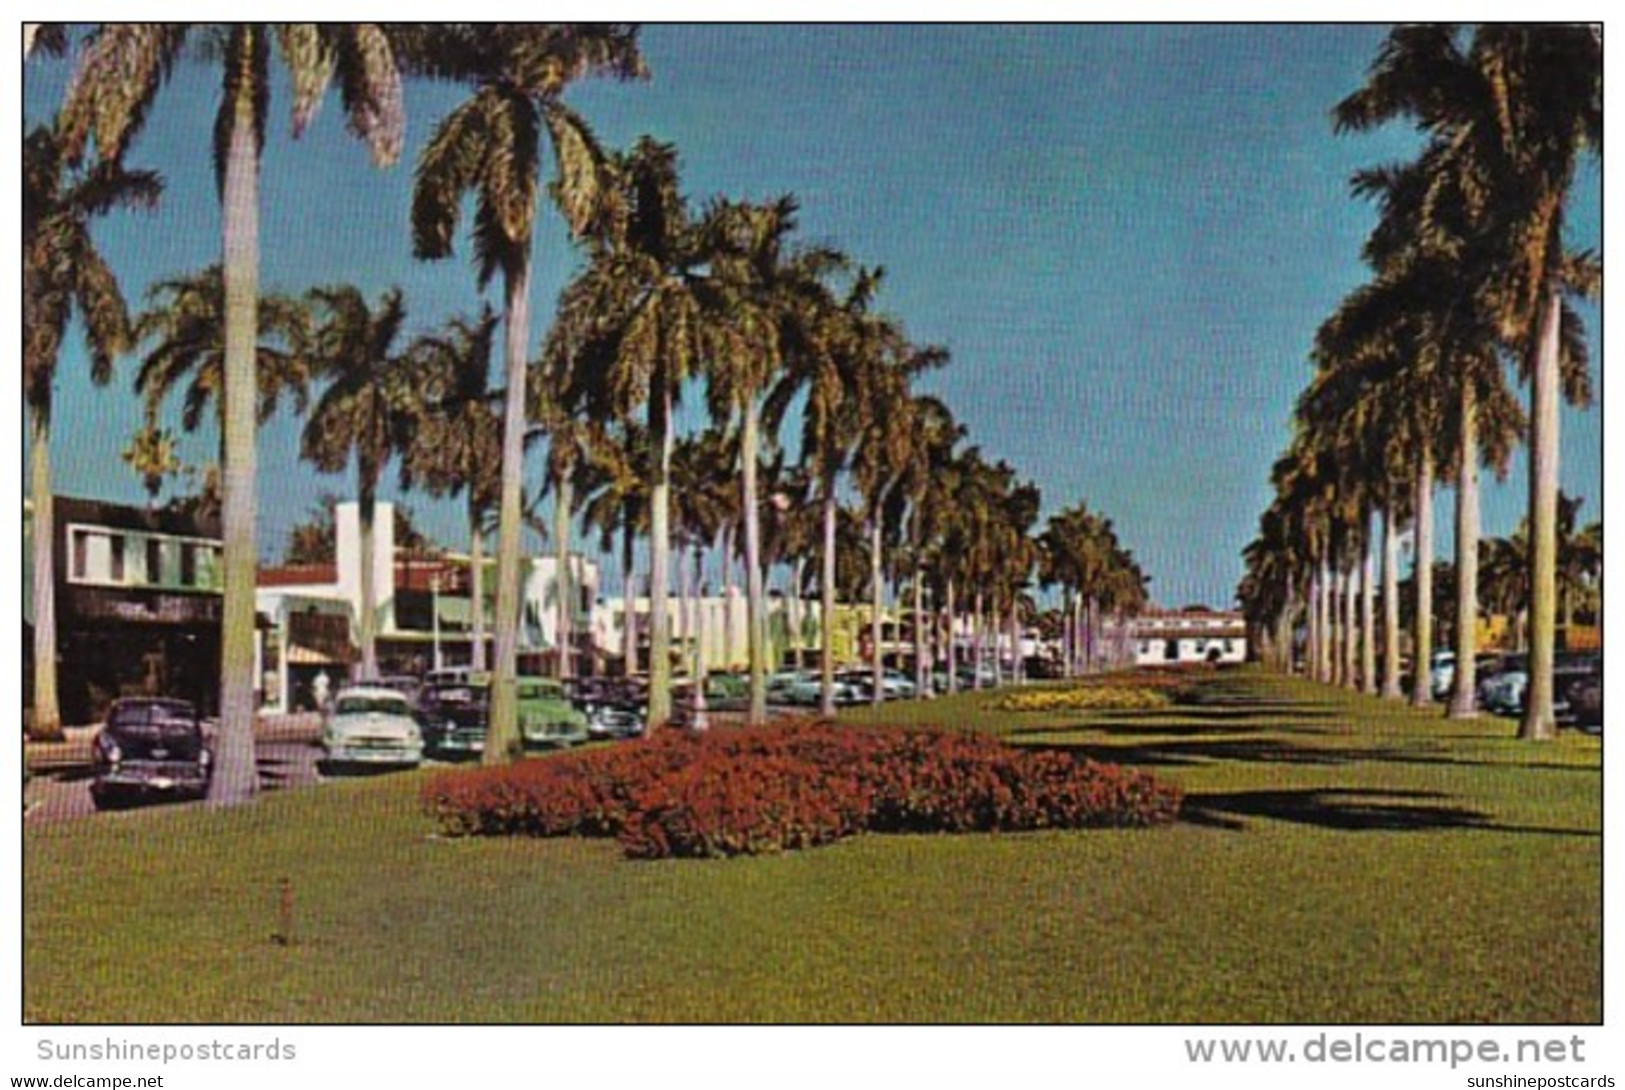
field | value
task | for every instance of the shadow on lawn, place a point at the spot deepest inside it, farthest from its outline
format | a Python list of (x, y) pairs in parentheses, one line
[(1347, 810)]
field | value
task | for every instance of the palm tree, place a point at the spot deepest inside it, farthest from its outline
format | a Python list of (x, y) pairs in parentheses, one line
[(121, 69), (1514, 113), (369, 410), (64, 274), (457, 441), (614, 485), (490, 146), (766, 290)]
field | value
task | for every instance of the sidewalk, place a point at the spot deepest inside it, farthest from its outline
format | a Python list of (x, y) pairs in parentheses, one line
[(74, 749)]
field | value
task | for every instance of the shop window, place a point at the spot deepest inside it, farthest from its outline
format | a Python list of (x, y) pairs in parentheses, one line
[(155, 561), (115, 558)]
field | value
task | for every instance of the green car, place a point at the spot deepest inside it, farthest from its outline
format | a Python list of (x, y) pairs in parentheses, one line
[(546, 716)]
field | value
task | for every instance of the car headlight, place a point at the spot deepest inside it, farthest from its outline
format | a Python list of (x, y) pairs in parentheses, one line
[(113, 754)]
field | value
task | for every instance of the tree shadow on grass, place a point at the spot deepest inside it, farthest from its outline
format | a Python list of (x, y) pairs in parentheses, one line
[(1347, 810)]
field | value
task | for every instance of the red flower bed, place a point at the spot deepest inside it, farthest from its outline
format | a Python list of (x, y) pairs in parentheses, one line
[(751, 791)]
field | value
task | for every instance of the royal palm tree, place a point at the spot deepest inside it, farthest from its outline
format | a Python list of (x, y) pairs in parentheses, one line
[(1514, 112), (64, 275), (368, 411), (456, 444), (766, 289), (120, 71), (490, 146), (614, 485)]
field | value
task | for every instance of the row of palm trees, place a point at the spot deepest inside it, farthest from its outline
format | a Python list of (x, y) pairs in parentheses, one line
[(1469, 271), (720, 302)]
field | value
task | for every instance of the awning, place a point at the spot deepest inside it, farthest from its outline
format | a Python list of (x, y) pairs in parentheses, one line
[(299, 655)]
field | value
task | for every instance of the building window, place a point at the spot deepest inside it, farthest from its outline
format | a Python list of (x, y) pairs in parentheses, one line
[(1170, 650), (188, 564), (81, 555), (115, 558), (155, 561)]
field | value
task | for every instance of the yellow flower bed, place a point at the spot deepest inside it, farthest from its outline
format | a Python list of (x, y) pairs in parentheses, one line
[(1083, 698)]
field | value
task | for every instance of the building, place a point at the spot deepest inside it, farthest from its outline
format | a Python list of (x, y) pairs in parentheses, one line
[(138, 605), (1191, 635), (425, 612)]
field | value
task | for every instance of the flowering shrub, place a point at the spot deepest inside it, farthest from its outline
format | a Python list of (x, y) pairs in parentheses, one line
[(751, 791), (1084, 698)]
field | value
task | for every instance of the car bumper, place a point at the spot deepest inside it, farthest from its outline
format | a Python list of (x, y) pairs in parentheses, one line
[(126, 783), (375, 755)]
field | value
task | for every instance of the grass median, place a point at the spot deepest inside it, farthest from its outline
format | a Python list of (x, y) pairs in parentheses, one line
[(1339, 859)]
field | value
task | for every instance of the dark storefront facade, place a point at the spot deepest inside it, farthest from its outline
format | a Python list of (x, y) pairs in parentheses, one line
[(138, 603)]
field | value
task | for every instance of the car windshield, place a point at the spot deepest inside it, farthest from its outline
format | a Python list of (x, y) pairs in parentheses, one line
[(362, 705), (155, 713)]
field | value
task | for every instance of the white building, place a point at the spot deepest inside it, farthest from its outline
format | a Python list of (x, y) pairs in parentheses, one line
[(720, 621), (424, 610), (1172, 638)]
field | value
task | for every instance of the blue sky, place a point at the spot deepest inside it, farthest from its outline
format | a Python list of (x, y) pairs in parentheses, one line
[(1126, 236)]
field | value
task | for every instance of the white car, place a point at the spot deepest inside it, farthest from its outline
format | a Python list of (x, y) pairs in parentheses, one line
[(374, 726)]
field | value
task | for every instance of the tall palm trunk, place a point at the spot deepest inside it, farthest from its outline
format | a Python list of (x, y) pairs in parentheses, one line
[(1283, 635), (1390, 605), (1323, 609), (1368, 613), (368, 514), (922, 676), (236, 778), (1066, 632), (1015, 641), (47, 706), (1539, 720), (1311, 666), (798, 611), (953, 644), (877, 603), (502, 732), (826, 607), (629, 592), (476, 586), (563, 577), (1422, 653), (700, 720), (1351, 634), (1464, 698), (755, 600), (979, 636), (660, 438), (730, 630)]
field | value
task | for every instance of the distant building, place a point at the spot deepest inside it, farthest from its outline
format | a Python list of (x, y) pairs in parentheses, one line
[(425, 612), (1192, 635)]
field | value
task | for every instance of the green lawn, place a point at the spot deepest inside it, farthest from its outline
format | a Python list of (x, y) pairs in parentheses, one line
[(1339, 861)]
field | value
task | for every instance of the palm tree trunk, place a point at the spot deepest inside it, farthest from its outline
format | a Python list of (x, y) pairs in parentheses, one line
[(1283, 634), (236, 778), (798, 619), (476, 587), (953, 649), (629, 592), (563, 581), (1368, 611), (1464, 698), (756, 613), (1351, 634), (502, 732), (685, 604), (1422, 577), (368, 514), (877, 596), (660, 438), (1015, 641), (922, 676), (730, 631), (47, 722), (1066, 632), (977, 615), (700, 720), (1539, 720), (1311, 617), (826, 607), (1390, 605), (1323, 610)]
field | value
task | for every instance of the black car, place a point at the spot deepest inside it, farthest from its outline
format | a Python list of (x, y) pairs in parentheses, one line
[(150, 748)]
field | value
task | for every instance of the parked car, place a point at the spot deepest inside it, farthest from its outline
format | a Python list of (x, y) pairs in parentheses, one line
[(456, 716), (1502, 685), (1571, 668), (808, 692), (1443, 673), (372, 726), (150, 748), (1585, 701), (614, 707)]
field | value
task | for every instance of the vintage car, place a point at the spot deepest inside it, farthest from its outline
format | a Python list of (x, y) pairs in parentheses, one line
[(455, 716), (372, 726), (150, 748)]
